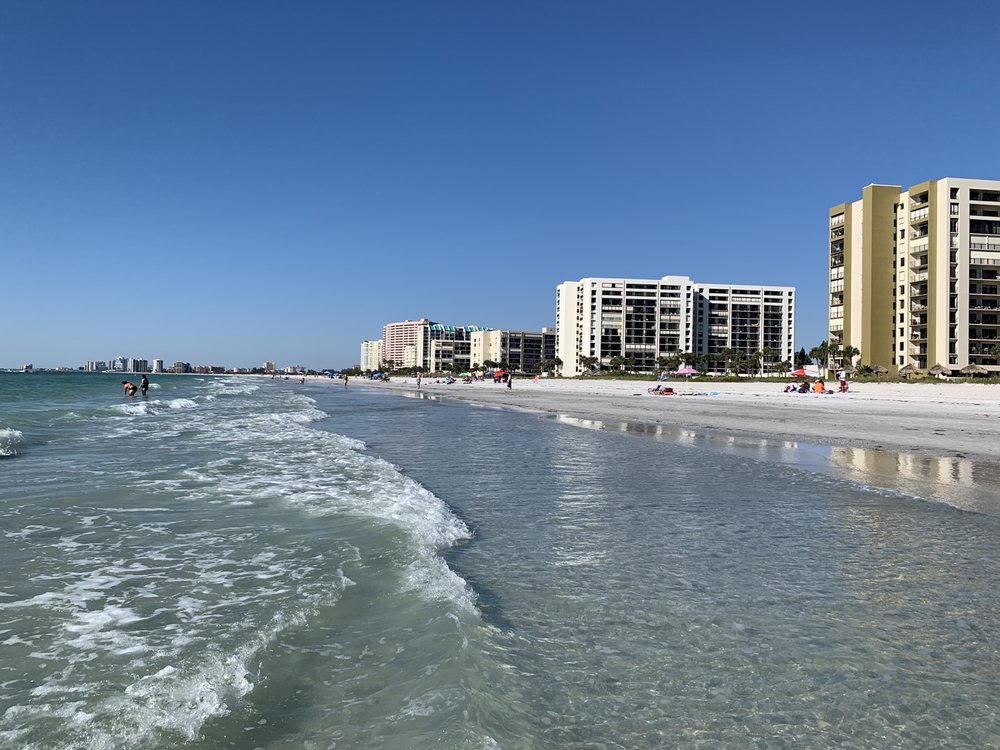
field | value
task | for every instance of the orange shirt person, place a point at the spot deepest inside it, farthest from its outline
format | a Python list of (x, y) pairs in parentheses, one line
[(819, 387)]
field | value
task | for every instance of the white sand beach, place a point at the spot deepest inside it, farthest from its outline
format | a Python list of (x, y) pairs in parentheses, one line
[(933, 419)]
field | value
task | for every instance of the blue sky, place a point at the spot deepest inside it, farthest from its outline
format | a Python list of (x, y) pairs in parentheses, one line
[(232, 182)]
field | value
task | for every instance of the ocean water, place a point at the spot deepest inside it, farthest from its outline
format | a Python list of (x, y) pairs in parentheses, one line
[(255, 563)]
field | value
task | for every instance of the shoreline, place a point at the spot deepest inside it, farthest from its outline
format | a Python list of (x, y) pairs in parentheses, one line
[(940, 444), (946, 421)]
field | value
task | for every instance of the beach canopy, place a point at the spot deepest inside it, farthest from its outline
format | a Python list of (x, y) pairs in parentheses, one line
[(974, 369), (805, 372)]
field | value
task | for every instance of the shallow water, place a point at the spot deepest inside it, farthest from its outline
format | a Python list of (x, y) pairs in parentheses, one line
[(253, 563)]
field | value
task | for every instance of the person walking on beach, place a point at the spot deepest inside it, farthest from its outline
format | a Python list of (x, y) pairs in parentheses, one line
[(418, 380), (144, 384), (345, 381), (510, 380), (130, 388)]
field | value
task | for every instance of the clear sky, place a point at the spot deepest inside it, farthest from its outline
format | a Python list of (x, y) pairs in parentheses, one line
[(233, 181)]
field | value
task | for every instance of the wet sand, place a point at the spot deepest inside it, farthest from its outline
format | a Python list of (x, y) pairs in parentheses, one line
[(950, 420)]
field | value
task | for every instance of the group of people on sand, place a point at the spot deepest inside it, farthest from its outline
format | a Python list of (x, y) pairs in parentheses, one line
[(131, 388), (819, 386)]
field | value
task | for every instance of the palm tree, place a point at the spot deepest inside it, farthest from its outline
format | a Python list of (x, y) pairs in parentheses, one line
[(617, 361), (587, 363), (820, 353), (833, 354), (668, 363), (727, 357), (848, 353)]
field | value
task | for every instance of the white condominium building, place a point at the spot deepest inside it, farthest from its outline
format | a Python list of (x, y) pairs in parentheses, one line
[(371, 355), (646, 319), (913, 275)]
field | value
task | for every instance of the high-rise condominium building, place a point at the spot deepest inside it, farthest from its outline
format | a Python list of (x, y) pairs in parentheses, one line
[(371, 355), (646, 319), (913, 275), (522, 351), (422, 343)]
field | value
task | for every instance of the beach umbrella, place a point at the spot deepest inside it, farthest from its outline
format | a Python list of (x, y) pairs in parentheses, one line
[(848, 370), (908, 370), (686, 372), (939, 369), (805, 372), (974, 369)]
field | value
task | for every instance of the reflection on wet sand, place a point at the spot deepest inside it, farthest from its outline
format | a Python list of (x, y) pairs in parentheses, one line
[(961, 482)]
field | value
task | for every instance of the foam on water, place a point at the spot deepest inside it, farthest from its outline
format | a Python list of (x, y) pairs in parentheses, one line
[(147, 612), (10, 441)]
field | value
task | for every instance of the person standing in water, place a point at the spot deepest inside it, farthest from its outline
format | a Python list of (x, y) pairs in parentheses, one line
[(130, 388), (144, 384), (345, 381)]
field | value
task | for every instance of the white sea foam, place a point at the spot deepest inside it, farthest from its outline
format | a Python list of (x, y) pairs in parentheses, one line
[(186, 616), (10, 441), (133, 408)]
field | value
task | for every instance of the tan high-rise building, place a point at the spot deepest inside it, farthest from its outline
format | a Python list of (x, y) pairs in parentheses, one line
[(913, 275)]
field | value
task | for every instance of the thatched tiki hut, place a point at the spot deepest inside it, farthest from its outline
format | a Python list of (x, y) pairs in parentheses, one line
[(974, 370)]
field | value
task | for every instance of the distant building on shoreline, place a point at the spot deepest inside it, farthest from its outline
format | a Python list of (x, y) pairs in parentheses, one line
[(913, 275), (435, 347), (643, 321), (522, 351), (371, 355)]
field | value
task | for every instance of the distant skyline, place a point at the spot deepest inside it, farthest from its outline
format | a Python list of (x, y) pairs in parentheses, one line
[(234, 182)]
